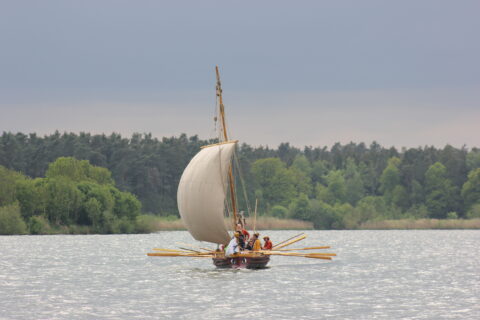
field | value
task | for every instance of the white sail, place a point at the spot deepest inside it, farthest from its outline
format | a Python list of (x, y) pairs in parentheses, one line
[(202, 191)]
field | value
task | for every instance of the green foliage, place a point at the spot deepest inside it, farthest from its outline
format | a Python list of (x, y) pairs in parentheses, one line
[(125, 204), (74, 197), (39, 225), (299, 208), (124, 225), (325, 216), (302, 164), (440, 193), (319, 172), (301, 181), (390, 179), (146, 171), (8, 180), (336, 191), (29, 197), (473, 160), (78, 170), (471, 189), (417, 194), (355, 189), (474, 212), (63, 201), (417, 212), (452, 215), (370, 208), (279, 211), (275, 182), (146, 223), (399, 197), (11, 221)]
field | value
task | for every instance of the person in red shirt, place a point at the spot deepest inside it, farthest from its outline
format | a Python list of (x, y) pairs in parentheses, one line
[(243, 231), (268, 245)]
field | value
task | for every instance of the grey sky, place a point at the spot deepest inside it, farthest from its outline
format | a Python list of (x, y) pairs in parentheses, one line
[(403, 73)]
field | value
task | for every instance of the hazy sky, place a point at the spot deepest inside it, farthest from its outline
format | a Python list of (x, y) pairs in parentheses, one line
[(403, 73)]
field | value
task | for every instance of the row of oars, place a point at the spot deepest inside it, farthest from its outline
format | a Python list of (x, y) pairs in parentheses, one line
[(199, 252)]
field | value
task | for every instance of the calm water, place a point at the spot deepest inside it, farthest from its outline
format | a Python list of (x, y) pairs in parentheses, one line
[(377, 275)]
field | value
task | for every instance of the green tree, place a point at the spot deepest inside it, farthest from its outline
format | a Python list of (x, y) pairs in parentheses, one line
[(336, 191), (368, 209), (354, 184), (29, 198), (78, 170), (299, 208), (400, 197), (8, 181), (417, 194), (276, 183), (103, 197), (279, 211), (473, 159), (325, 216), (319, 172), (63, 201), (471, 189), (390, 179), (11, 221), (125, 204), (39, 225), (474, 211), (440, 193)]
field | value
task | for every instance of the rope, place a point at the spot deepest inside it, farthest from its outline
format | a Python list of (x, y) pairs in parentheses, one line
[(242, 182)]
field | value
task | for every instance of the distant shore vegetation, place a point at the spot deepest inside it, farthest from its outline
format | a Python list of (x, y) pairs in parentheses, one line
[(83, 183), (73, 197)]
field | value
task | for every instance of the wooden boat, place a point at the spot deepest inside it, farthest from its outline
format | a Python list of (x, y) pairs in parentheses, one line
[(206, 195)]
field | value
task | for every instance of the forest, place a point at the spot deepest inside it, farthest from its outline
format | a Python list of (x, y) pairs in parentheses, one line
[(94, 181)]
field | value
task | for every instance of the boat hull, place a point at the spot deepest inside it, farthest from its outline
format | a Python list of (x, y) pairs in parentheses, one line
[(249, 262)]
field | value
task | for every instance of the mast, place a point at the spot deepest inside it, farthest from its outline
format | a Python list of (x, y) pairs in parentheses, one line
[(225, 136)]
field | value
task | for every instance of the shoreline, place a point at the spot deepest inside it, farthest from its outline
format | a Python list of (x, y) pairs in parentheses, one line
[(422, 224), (270, 223), (152, 224), (262, 223)]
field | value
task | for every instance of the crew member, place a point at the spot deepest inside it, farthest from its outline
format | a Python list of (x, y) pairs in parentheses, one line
[(267, 245)]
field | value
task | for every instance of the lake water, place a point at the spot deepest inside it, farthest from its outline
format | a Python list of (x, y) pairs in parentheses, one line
[(377, 275)]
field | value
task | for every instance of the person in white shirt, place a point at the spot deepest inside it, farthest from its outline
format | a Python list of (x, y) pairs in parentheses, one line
[(233, 246)]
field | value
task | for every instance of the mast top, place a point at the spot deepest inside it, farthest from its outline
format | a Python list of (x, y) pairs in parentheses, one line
[(221, 106)]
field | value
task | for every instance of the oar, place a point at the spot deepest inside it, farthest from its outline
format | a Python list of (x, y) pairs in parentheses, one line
[(308, 248), (289, 242), (298, 235), (191, 250), (306, 255), (269, 252), (170, 250), (190, 246), (173, 254)]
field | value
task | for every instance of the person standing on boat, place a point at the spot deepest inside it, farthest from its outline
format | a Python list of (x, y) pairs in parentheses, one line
[(267, 243), (240, 228), (233, 247)]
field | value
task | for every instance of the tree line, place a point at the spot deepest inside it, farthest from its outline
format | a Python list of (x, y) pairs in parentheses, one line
[(74, 196), (338, 187)]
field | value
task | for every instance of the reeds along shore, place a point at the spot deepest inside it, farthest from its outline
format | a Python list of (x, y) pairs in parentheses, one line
[(270, 223), (261, 223), (407, 224)]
